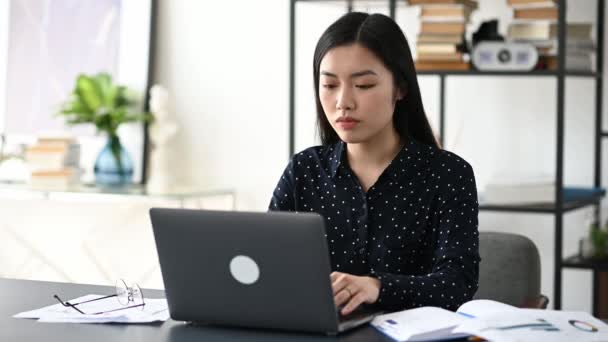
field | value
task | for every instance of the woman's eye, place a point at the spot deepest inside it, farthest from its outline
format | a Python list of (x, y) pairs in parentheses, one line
[(329, 86), (365, 86)]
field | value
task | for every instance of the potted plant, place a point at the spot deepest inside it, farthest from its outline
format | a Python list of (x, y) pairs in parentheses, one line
[(599, 240), (97, 100)]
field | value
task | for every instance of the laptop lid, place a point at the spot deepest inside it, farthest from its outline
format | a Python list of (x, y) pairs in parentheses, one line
[(267, 270)]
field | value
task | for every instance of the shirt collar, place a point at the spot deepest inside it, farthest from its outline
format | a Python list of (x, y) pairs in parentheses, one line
[(405, 162)]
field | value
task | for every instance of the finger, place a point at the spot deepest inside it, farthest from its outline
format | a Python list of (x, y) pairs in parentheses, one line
[(354, 303), (341, 298), (334, 275), (340, 283)]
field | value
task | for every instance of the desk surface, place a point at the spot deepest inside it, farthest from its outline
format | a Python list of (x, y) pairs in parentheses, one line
[(23, 295)]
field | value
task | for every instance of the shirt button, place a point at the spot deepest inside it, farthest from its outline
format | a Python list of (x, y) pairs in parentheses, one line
[(362, 250)]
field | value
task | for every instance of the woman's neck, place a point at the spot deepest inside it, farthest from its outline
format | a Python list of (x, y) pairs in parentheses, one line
[(376, 152)]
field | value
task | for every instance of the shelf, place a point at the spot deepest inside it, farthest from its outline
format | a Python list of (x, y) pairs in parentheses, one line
[(131, 190), (357, 2), (536, 73), (548, 208), (589, 264)]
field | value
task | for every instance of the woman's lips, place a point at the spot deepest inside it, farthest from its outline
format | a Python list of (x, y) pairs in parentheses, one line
[(347, 123)]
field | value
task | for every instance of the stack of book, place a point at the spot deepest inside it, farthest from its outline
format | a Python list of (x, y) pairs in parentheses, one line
[(535, 22), (441, 43), (54, 163)]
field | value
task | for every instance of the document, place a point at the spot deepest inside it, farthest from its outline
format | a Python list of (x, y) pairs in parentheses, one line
[(537, 325), (493, 321), (155, 310), (416, 324)]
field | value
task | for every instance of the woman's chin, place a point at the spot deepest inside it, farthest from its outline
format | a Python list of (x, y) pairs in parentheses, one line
[(351, 137)]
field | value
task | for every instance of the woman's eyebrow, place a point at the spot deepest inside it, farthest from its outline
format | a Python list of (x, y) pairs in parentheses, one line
[(353, 75), (329, 74), (363, 73)]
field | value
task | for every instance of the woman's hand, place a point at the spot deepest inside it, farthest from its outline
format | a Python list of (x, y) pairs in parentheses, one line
[(351, 291)]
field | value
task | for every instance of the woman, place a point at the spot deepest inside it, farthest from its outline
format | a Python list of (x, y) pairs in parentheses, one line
[(400, 213)]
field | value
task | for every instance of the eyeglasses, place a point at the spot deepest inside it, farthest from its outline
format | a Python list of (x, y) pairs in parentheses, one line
[(129, 297)]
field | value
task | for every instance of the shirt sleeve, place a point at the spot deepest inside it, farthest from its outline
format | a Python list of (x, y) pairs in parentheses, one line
[(283, 197), (455, 269)]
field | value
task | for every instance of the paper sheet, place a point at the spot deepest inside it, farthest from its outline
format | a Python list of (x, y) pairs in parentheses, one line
[(537, 325), (154, 310)]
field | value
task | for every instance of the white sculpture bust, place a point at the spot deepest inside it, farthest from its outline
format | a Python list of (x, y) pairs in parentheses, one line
[(162, 130)]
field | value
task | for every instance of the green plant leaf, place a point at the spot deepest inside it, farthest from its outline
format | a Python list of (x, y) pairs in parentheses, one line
[(88, 92), (97, 100)]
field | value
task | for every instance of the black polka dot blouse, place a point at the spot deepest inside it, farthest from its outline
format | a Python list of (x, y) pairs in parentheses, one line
[(416, 228)]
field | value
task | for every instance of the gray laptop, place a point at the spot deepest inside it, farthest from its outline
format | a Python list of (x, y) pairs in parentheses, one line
[(261, 270)]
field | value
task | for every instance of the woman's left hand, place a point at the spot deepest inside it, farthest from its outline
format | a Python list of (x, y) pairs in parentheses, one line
[(351, 291)]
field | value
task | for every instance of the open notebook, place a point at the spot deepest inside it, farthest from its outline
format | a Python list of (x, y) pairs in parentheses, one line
[(491, 320)]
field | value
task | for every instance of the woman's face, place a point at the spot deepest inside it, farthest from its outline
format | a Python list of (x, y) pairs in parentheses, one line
[(357, 93)]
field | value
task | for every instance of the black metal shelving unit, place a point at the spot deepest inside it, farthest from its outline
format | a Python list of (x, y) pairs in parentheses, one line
[(559, 207)]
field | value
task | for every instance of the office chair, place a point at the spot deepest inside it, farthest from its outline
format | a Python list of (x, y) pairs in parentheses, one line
[(509, 271)]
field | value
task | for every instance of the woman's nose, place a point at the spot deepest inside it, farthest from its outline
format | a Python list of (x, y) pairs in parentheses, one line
[(345, 100)]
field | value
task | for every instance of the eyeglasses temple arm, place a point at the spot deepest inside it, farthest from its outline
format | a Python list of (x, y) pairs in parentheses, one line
[(68, 304), (127, 307)]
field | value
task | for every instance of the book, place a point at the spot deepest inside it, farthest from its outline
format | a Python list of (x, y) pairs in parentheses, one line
[(456, 56), (547, 62), (55, 156), (580, 45), (419, 324), (55, 179), (442, 66), (543, 3), (515, 324), (573, 47), (56, 140), (50, 158), (430, 48), (470, 3), (547, 50), (578, 31), (442, 28), (535, 30), (491, 320), (574, 62), (579, 61), (458, 10), (536, 13), (443, 19), (519, 31), (441, 38)]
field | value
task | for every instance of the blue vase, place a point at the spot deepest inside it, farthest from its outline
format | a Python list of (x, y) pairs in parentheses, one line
[(113, 166)]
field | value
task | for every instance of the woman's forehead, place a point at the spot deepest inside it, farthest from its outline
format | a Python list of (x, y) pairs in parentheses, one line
[(348, 59)]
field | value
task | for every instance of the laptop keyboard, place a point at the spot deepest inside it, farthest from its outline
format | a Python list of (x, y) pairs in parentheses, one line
[(360, 313)]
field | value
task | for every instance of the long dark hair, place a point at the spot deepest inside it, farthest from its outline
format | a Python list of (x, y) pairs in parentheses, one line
[(381, 35)]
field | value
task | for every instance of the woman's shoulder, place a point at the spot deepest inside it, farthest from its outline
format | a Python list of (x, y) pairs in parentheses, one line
[(316, 154), (446, 161)]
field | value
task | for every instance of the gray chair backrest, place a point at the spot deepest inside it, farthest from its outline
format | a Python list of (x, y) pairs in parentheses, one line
[(509, 271)]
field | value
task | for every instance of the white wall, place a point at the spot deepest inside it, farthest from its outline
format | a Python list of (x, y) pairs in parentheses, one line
[(226, 64), (4, 32)]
